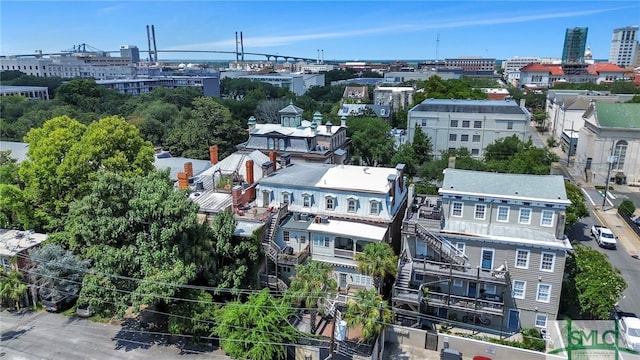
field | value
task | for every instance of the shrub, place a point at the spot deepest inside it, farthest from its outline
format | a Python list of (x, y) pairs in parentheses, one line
[(627, 207)]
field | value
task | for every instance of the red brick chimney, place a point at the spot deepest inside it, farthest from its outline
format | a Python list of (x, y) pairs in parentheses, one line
[(183, 180), (272, 158), (188, 168), (249, 165), (213, 154)]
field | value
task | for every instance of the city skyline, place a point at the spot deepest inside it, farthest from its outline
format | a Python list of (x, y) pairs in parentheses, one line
[(355, 30)]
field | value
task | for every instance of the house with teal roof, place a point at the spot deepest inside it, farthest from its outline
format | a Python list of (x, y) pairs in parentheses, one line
[(610, 138)]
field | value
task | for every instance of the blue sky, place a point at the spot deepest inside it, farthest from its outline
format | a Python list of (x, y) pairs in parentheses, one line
[(351, 30)]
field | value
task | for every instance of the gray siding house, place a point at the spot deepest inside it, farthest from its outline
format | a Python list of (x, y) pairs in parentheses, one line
[(489, 250)]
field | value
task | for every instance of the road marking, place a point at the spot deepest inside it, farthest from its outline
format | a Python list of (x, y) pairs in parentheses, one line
[(588, 197)]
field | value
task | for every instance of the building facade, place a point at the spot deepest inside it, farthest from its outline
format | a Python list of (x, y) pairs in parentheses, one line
[(303, 140), (575, 42), (96, 67), (624, 46), (397, 97), (489, 250), (209, 85), (471, 124), (609, 145), (544, 76), (475, 64), (30, 92), (332, 211)]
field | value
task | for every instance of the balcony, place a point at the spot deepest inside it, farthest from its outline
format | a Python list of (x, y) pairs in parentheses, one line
[(439, 269), (452, 302)]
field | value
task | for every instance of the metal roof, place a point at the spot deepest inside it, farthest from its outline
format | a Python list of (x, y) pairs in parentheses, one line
[(618, 115), (546, 188), (469, 106)]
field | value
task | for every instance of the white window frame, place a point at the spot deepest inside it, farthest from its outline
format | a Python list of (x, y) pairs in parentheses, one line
[(526, 265), (352, 205), (490, 288), (453, 208), (528, 222), (484, 211), (462, 247), (539, 318), (286, 197), (542, 262), (375, 210), (360, 279), (306, 200), (548, 222), (331, 199), (457, 282), (524, 289), (498, 218), (548, 293)]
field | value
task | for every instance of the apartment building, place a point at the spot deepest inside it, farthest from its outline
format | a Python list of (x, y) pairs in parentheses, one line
[(472, 64), (96, 67), (624, 46), (30, 92), (490, 247), (546, 75), (330, 213), (472, 124), (209, 84)]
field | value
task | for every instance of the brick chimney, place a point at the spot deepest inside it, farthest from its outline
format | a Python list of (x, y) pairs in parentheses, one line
[(188, 168), (272, 158), (249, 166), (213, 154), (183, 180)]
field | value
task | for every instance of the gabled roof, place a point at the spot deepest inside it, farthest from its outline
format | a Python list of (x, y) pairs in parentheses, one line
[(618, 115), (537, 67)]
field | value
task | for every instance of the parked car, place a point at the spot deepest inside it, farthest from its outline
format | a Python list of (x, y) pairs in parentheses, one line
[(630, 332), (450, 354), (83, 310), (60, 304)]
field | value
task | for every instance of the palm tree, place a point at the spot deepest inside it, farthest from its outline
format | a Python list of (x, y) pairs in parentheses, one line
[(311, 286), (11, 286), (369, 310), (378, 261)]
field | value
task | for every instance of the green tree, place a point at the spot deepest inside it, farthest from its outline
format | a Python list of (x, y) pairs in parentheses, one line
[(236, 257), (311, 286), (8, 169), (627, 207), (371, 140), (58, 272), (11, 286), (378, 261), (144, 233), (512, 155), (15, 211), (192, 316), (577, 210), (210, 124), (422, 147), (258, 329), (369, 310), (592, 283), (406, 155)]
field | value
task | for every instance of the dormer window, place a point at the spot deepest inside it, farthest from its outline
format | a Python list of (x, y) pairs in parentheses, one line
[(352, 204), (286, 198), (375, 207), (330, 202), (306, 200)]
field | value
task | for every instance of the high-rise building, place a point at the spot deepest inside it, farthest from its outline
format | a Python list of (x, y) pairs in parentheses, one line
[(624, 46), (575, 42), (130, 51)]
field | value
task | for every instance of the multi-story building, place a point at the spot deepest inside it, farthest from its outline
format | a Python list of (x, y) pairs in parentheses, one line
[(331, 212), (513, 65), (209, 84), (30, 92), (624, 46), (85, 66), (575, 42), (609, 145), (471, 124), (130, 51), (303, 140), (491, 247), (545, 75), (472, 64), (397, 97), (565, 108)]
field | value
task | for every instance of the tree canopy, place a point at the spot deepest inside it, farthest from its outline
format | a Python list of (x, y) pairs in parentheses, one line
[(58, 273), (379, 261), (257, 329), (371, 140), (370, 311), (143, 238)]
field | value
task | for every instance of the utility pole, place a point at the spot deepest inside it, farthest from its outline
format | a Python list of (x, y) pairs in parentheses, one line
[(612, 159), (333, 334)]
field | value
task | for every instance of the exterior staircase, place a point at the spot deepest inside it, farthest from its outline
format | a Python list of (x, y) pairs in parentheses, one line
[(446, 250)]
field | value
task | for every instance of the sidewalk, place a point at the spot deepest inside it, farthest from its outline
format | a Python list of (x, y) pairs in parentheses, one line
[(627, 238)]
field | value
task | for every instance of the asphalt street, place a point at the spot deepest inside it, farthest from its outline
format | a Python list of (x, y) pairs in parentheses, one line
[(32, 335)]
